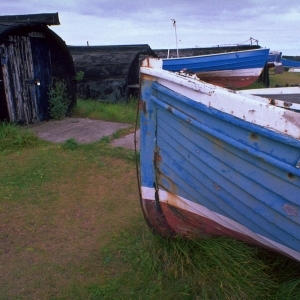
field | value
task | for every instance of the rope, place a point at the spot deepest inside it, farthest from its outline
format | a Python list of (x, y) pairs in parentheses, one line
[(251, 39), (135, 148)]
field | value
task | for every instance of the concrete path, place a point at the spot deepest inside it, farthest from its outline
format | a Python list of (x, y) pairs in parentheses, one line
[(128, 141), (82, 130)]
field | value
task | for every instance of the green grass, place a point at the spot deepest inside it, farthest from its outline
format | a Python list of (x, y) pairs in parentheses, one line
[(284, 79), (14, 137), (71, 227), (119, 112)]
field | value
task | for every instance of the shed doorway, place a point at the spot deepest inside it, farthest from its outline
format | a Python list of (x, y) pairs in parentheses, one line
[(25, 63)]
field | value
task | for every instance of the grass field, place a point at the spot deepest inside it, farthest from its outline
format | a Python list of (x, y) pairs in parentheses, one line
[(287, 78), (71, 227)]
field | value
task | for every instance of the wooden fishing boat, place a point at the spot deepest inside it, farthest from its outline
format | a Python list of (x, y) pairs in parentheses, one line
[(290, 63), (275, 61), (229, 69), (218, 162)]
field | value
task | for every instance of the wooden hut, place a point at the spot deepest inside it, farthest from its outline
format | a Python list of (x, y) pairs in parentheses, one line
[(32, 56), (111, 73)]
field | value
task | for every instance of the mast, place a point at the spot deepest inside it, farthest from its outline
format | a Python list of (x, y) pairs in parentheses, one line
[(174, 25)]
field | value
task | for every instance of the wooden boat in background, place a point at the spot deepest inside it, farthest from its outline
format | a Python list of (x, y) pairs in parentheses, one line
[(217, 162), (290, 63), (275, 61), (229, 69), (295, 70)]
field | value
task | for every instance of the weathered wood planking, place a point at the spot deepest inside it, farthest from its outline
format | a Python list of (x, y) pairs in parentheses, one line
[(18, 70)]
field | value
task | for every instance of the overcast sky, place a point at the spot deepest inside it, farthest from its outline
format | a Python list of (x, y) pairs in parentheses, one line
[(199, 23)]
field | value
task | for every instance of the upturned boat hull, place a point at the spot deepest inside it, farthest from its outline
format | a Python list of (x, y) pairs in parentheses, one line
[(216, 162)]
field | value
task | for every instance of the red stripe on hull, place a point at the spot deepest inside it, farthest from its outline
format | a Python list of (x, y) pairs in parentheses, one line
[(172, 221), (232, 82)]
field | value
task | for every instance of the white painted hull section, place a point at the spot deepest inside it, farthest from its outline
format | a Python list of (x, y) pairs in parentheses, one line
[(255, 72)]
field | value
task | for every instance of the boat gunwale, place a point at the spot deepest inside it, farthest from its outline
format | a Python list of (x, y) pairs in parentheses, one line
[(216, 54), (194, 84)]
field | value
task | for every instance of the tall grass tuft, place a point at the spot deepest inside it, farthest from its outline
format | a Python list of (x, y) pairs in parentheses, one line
[(70, 144), (210, 269), (13, 137), (220, 268), (118, 112)]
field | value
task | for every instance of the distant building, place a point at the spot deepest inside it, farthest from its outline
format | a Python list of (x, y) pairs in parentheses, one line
[(31, 56)]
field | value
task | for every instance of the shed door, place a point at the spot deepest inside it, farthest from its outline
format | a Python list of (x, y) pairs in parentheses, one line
[(22, 83)]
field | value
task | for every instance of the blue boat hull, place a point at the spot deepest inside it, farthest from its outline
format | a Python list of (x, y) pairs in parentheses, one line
[(208, 173), (232, 69)]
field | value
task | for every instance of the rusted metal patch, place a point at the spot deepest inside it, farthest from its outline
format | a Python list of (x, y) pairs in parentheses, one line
[(146, 77), (287, 104), (290, 176), (272, 101), (169, 109), (156, 221), (217, 187), (143, 106), (157, 157), (253, 136)]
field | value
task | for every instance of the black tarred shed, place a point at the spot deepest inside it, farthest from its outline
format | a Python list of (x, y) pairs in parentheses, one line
[(32, 56)]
